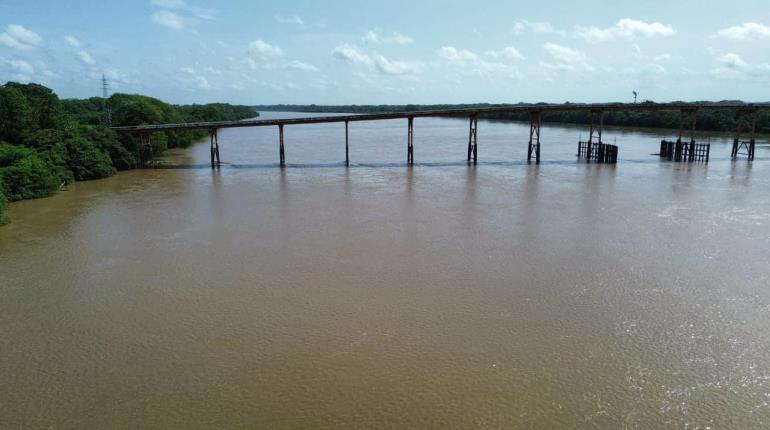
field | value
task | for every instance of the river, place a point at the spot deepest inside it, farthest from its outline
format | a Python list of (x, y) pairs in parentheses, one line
[(502, 295)]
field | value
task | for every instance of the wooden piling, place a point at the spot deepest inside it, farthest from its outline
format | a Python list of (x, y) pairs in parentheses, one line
[(410, 141), (347, 153), (280, 145)]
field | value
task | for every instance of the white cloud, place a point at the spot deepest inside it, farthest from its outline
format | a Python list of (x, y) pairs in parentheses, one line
[(202, 82), (72, 41), (395, 67), (188, 70), (261, 49), (299, 65), (352, 53), (625, 29), (401, 39), (18, 37), (86, 58), (371, 37), (170, 20), (20, 66), (457, 55), (509, 53), (745, 31), (293, 19), (567, 59), (522, 26), (181, 5), (470, 60), (732, 66), (732, 61)]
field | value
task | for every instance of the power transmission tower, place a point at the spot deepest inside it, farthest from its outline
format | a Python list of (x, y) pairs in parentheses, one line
[(106, 114)]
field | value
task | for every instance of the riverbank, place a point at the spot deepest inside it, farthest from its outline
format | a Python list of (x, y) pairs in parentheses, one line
[(47, 143)]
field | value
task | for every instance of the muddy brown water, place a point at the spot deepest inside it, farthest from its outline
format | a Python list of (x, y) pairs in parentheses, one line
[(505, 295)]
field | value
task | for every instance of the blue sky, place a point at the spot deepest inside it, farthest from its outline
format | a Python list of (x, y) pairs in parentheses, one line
[(418, 51)]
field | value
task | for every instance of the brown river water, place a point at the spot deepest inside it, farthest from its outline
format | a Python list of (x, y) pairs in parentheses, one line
[(502, 295)]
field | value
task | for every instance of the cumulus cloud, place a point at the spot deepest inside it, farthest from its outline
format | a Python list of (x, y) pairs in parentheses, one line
[(395, 67), (72, 41), (457, 55), (509, 52), (202, 82), (181, 5), (745, 31), (293, 19), (474, 63), (522, 26), (170, 20), (401, 39), (86, 58), (261, 49), (732, 66), (567, 59), (299, 65), (625, 29), (18, 37), (372, 36), (353, 54), (20, 66)]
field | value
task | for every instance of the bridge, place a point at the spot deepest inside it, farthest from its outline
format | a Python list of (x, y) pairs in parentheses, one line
[(594, 148)]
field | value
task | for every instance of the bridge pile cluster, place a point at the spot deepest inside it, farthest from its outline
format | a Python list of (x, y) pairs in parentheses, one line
[(592, 150)]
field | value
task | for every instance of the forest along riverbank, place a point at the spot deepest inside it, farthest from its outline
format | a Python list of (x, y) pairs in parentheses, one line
[(445, 295), (47, 143)]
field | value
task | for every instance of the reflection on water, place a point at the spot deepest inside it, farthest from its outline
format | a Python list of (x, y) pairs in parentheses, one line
[(502, 295)]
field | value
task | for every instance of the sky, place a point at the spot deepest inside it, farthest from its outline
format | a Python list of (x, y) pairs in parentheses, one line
[(391, 52)]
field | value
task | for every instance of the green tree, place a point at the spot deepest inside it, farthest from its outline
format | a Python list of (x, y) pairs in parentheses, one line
[(24, 175)]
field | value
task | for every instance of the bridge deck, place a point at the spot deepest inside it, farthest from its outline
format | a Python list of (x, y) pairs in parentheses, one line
[(608, 107)]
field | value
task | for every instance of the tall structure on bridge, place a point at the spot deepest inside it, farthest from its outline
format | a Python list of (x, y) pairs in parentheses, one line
[(106, 113)]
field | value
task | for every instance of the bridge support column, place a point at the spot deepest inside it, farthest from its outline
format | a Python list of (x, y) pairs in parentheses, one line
[(410, 142), (745, 120), (214, 139), (145, 149), (534, 136), (282, 157), (597, 127), (687, 118), (347, 151), (472, 139)]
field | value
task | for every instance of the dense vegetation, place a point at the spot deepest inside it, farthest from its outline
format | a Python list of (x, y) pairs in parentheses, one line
[(711, 120), (46, 142)]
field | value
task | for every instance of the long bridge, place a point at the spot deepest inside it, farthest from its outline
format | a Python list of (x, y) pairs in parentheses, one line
[(594, 148)]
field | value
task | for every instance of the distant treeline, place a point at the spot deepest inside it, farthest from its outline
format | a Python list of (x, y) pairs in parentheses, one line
[(46, 142), (709, 120)]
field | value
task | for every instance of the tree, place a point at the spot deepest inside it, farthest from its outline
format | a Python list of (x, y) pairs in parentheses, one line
[(24, 175)]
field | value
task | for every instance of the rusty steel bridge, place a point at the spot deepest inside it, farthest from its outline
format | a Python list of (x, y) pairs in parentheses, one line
[(745, 133)]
